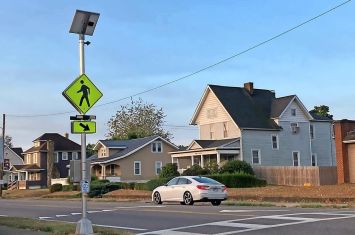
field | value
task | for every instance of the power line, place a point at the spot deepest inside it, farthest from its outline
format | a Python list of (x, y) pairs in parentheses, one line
[(200, 70)]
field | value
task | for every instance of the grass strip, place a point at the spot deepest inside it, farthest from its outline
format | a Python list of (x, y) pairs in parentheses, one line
[(53, 227)]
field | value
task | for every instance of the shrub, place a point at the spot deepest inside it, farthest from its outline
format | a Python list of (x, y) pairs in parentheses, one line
[(152, 184), (196, 170), (212, 168), (169, 171), (94, 178), (55, 188), (238, 180), (237, 166), (66, 188)]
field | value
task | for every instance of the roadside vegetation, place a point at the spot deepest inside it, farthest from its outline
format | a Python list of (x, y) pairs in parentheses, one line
[(57, 228)]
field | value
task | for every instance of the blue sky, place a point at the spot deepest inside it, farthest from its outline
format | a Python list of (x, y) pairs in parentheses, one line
[(138, 45)]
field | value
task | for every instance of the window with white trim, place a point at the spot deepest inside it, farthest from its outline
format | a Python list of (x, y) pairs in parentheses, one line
[(64, 156), (35, 158), (28, 159), (158, 166), (314, 159), (157, 147), (294, 127), (137, 168), (296, 158), (311, 131), (293, 112), (275, 141), (255, 153), (75, 156), (103, 152)]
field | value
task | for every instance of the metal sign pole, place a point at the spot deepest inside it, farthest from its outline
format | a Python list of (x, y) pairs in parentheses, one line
[(84, 226)]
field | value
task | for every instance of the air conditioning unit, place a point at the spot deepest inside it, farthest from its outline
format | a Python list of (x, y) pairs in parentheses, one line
[(295, 129)]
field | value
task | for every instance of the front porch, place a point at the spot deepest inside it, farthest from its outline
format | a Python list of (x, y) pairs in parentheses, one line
[(111, 172), (25, 177), (186, 159)]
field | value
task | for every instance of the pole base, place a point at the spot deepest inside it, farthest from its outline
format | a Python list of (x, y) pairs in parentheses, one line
[(84, 227)]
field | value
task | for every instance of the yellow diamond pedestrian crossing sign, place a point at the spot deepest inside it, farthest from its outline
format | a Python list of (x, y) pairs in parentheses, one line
[(82, 94)]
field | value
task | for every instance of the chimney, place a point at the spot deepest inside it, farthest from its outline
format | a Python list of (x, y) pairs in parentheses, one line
[(249, 87), (66, 135)]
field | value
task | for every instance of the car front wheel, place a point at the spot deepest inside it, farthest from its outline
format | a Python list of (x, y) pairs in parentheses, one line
[(216, 202), (188, 200), (157, 198)]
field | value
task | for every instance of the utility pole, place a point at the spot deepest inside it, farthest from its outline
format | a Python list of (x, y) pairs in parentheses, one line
[(3, 154)]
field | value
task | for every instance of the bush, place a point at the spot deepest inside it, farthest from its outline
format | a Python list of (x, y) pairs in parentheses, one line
[(55, 188), (212, 168), (196, 170), (238, 180), (152, 184), (236, 166), (169, 171)]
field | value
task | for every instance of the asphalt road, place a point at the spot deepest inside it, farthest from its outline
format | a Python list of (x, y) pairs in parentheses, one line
[(175, 219)]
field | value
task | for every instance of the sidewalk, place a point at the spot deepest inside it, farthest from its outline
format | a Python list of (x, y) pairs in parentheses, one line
[(14, 231)]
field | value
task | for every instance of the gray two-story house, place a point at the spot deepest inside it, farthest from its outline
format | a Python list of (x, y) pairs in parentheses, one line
[(254, 125)]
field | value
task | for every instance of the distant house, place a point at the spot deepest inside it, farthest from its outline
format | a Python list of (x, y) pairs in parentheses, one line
[(254, 125), (344, 131), (131, 160), (13, 156), (48, 158)]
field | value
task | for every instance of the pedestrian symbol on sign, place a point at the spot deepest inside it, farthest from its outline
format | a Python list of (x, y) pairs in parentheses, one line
[(86, 92)]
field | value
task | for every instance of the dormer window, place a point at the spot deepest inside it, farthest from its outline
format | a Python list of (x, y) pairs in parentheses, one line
[(157, 147), (293, 112), (103, 152)]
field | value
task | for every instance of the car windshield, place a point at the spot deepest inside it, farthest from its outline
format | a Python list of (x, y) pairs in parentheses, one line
[(205, 180)]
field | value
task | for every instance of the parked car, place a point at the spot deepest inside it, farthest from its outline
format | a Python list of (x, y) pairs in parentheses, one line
[(190, 189)]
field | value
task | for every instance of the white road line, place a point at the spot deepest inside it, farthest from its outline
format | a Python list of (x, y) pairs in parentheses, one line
[(106, 210), (288, 218), (237, 211), (120, 227), (61, 216), (90, 212), (135, 207), (44, 218), (230, 223), (3, 215), (240, 225), (75, 213)]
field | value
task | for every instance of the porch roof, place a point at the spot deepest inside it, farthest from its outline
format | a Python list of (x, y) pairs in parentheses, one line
[(27, 167)]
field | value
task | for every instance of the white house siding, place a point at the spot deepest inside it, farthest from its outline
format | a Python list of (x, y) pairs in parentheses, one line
[(218, 131), (323, 144), (300, 115), (288, 142)]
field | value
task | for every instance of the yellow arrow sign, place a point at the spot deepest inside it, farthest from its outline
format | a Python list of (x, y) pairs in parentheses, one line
[(78, 127), (82, 94)]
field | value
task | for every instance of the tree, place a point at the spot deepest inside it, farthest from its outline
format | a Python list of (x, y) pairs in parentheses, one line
[(8, 141), (322, 111), (137, 120), (169, 171), (90, 150), (236, 166)]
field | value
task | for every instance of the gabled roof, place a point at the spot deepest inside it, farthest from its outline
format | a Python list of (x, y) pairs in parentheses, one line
[(279, 105), (248, 111), (61, 143), (27, 167), (18, 151), (129, 147)]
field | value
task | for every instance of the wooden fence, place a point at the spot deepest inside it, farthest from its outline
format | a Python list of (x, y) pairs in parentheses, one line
[(297, 176)]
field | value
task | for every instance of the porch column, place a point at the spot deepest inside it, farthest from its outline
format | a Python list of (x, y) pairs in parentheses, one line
[(19, 176), (172, 160), (192, 161), (202, 162), (218, 158), (26, 177), (103, 172)]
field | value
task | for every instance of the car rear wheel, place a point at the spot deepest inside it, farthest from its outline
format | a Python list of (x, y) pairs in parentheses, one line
[(157, 198), (188, 200), (216, 202)]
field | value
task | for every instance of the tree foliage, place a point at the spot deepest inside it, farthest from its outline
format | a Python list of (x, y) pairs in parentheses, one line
[(90, 150), (322, 111), (137, 120), (169, 171), (8, 141)]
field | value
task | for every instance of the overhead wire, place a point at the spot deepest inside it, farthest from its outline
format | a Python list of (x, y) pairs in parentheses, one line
[(197, 71)]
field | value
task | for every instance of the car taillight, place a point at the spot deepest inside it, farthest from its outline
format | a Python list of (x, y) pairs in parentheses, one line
[(224, 189), (202, 187)]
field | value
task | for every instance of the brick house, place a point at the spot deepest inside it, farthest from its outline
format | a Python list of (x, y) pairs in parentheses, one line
[(48, 158), (344, 131)]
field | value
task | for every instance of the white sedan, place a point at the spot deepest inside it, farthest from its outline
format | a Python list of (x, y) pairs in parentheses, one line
[(189, 189)]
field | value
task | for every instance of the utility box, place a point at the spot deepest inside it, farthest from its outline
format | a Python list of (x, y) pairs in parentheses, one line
[(75, 171)]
